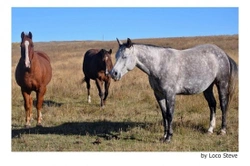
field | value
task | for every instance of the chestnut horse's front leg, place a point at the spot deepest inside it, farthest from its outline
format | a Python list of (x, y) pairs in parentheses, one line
[(40, 95), (28, 106)]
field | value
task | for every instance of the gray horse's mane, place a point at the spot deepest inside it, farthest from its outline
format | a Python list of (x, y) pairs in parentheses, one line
[(151, 45)]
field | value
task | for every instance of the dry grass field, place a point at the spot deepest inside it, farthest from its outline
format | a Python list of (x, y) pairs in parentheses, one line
[(131, 120)]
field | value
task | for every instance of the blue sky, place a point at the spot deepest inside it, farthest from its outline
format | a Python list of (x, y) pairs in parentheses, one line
[(85, 23)]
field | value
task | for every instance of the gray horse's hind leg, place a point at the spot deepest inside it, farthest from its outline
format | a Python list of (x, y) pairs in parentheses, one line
[(208, 93), (224, 98)]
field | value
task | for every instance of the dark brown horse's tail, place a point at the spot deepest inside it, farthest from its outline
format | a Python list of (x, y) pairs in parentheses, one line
[(233, 78), (83, 80)]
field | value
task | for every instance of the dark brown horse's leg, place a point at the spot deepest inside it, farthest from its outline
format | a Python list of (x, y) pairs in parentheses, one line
[(39, 95), (88, 87), (99, 84), (107, 84), (28, 107)]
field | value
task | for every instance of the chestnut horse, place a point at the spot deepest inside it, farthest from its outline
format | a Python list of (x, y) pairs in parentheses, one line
[(33, 73), (96, 66)]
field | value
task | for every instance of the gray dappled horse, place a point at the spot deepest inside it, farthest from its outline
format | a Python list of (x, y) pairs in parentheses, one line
[(172, 72)]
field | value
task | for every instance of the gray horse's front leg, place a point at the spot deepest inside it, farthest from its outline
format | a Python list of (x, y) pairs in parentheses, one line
[(166, 102), (162, 103), (170, 102)]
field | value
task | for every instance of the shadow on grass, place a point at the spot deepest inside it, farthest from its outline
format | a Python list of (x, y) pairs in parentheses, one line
[(105, 129), (99, 128), (49, 103)]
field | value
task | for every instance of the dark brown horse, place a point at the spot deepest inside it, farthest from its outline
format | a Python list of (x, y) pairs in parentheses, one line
[(33, 73), (96, 66)]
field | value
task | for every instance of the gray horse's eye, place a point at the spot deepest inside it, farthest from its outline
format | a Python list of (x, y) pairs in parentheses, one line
[(124, 57)]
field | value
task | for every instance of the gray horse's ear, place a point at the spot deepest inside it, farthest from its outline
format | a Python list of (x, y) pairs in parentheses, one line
[(30, 35), (119, 42), (129, 43), (22, 35)]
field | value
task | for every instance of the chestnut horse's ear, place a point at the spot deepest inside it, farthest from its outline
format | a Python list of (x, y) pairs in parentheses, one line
[(110, 51), (30, 35), (129, 43), (119, 42), (22, 35)]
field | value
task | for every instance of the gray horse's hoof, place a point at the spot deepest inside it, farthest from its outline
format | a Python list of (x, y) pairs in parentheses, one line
[(223, 132), (166, 139), (209, 132)]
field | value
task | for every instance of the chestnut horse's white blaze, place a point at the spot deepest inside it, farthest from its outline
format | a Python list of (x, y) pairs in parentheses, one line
[(27, 59), (172, 72)]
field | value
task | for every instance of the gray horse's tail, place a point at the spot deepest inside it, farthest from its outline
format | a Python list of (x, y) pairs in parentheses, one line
[(233, 78)]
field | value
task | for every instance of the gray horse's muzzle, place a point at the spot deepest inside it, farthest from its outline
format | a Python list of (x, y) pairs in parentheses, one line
[(115, 75)]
